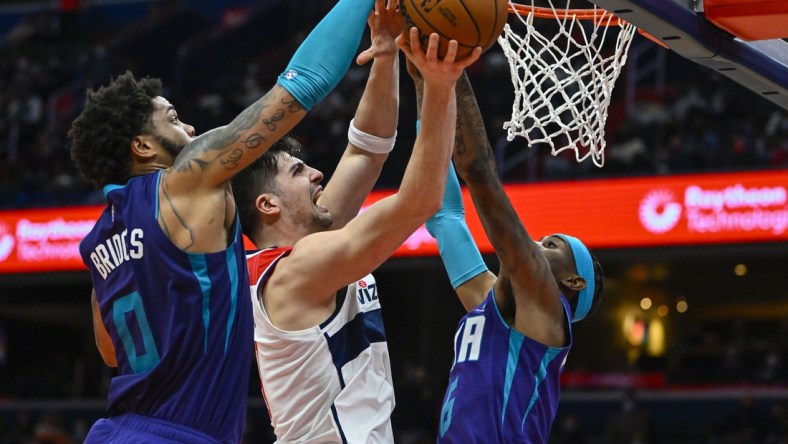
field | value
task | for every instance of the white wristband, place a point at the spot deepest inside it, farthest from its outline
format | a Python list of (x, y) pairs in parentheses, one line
[(369, 142)]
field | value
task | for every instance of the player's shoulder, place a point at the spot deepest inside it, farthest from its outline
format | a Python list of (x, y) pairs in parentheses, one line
[(260, 261)]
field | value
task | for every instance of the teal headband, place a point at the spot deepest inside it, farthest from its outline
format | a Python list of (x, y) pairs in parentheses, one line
[(585, 268)]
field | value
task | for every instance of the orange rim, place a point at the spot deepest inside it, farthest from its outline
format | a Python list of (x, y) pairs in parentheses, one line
[(599, 16)]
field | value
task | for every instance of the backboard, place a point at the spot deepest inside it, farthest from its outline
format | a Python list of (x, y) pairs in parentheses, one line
[(761, 65)]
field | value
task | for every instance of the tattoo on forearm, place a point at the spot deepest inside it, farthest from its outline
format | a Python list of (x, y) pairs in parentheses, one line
[(459, 138), (231, 162), (474, 155), (478, 159), (293, 105), (254, 140), (270, 124), (222, 139)]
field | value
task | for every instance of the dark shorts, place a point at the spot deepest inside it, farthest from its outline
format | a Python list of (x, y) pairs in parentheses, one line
[(136, 429)]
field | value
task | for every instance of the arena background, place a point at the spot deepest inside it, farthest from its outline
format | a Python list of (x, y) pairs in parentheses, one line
[(694, 329)]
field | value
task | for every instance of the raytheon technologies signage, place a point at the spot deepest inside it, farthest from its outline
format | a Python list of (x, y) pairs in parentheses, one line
[(693, 209), (641, 212), (735, 208)]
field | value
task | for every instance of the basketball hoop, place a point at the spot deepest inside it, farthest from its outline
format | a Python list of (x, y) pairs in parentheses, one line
[(563, 82)]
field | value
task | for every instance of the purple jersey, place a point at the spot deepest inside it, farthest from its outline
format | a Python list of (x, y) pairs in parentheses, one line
[(181, 323), (503, 387)]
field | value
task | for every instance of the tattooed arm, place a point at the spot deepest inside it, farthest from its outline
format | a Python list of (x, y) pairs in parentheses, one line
[(216, 156), (526, 291), (195, 201), (196, 206), (458, 251)]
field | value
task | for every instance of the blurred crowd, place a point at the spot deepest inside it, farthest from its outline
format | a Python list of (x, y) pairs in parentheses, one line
[(734, 351), (699, 121)]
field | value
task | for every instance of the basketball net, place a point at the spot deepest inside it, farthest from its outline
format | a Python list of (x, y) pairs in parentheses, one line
[(563, 82)]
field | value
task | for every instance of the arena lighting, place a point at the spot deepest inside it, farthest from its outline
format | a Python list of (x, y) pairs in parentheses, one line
[(634, 329), (699, 209), (740, 270), (645, 303), (682, 306), (655, 342)]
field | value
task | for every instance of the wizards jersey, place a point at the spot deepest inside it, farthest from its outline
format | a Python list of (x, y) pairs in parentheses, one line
[(181, 323), (503, 386), (330, 383)]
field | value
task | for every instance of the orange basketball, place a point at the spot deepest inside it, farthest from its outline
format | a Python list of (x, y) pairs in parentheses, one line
[(471, 22)]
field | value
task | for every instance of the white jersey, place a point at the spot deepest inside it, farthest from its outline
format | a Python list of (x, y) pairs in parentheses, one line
[(330, 383)]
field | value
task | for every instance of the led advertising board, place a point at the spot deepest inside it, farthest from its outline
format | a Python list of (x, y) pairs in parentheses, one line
[(700, 209)]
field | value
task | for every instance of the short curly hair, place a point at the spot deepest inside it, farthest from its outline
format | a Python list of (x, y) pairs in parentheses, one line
[(112, 116)]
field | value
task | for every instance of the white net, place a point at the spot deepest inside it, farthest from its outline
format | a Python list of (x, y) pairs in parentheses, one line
[(563, 77)]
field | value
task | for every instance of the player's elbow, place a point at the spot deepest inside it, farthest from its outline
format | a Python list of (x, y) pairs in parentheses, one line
[(429, 205), (110, 361), (476, 170), (108, 356), (417, 209)]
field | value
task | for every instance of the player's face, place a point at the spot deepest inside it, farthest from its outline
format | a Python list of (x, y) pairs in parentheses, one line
[(169, 131), (299, 188), (558, 254)]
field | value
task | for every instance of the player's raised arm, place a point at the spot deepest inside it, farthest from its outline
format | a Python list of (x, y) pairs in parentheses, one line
[(373, 236), (317, 66), (460, 256), (523, 268), (373, 130)]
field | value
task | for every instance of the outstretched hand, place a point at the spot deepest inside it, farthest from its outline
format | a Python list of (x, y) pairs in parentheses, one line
[(414, 73), (431, 68), (385, 24)]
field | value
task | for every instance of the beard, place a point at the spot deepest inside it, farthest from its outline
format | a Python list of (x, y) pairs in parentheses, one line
[(315, 222), (320, 222), (172, 147)]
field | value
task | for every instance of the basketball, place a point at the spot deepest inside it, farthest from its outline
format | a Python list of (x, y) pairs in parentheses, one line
[(471, 22)]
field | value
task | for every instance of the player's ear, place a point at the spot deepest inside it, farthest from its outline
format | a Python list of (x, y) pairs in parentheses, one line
[(141, 147), (574, 282), (268, 204)]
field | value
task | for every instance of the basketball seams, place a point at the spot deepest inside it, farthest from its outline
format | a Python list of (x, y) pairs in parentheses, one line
[(492, 38), (425, 19), (475, 24), (471, 23)]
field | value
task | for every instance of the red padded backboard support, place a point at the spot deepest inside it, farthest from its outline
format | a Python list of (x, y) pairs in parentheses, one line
[(749, 19)]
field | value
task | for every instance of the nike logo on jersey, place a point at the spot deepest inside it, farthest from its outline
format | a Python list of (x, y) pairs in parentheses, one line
[(116, 250)]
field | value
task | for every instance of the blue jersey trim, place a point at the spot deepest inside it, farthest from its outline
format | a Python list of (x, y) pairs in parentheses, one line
[(355, 337), (548, 357), (110, 188), (340, 301), (339, 426), (515, 344), (156, 197), (232, 267), (338, 369), (200, 270), (491, 296)]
